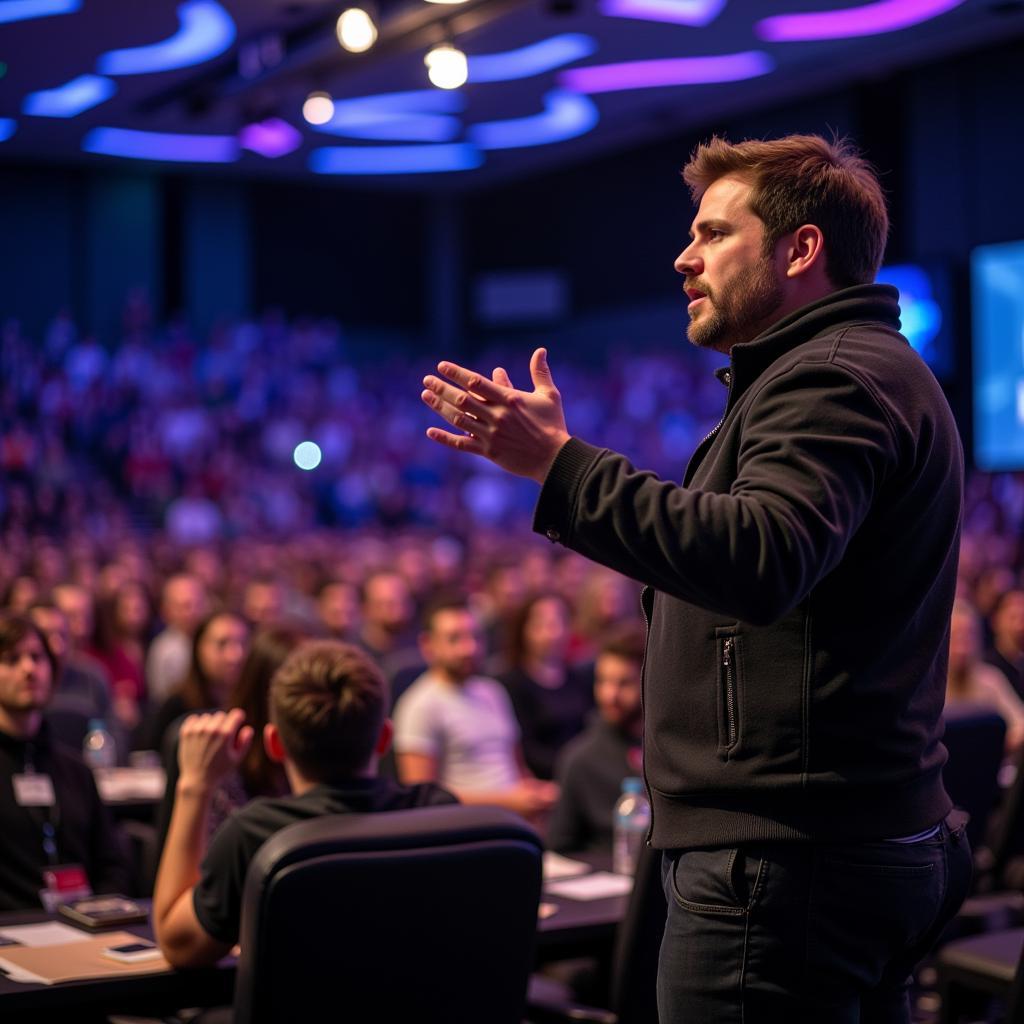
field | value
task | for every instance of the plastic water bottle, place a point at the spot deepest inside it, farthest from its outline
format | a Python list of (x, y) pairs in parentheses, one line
[(632, 820), (98, 747)]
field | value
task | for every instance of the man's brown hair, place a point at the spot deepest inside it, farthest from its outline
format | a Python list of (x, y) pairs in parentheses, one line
[(627, 641), (328, 701), (805, 179)]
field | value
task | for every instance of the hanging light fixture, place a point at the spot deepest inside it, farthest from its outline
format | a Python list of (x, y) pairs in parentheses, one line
[(447, 66), (356, 30), (318, 108)]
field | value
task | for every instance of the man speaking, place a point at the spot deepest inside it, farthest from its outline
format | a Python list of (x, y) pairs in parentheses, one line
[(799, 587)]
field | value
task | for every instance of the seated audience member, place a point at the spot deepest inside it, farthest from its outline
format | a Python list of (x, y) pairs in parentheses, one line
[(386, 633), (80, 684), (592, 767), (123, 628), (972, 681), (59, 821), (327, 727), (1007, 650), (218, 651), (257, 774), (606, 601), (182, 607), (337, 607), (263, 602), (458, 728), (551, 698)]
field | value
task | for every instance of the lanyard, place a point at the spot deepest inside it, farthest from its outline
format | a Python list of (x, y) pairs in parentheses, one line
[(47, 825)]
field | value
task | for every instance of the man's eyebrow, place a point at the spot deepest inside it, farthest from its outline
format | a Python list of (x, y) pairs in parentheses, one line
[(707, 225)]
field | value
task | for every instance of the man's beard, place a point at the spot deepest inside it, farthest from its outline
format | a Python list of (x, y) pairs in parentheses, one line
[(740, 315)]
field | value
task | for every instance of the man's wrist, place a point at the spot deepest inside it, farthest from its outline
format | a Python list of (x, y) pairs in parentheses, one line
[(195, 787)]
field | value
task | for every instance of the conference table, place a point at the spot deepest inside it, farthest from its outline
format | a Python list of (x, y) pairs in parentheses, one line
[(567, 928)]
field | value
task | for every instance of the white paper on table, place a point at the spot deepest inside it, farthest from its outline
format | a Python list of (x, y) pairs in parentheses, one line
[(16, 973), (598, 886), (51, 933), (557, 866), (131, 783)]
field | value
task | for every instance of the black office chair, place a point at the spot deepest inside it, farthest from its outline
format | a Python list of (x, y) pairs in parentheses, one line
[(634, 971), (988, 965), (426, 915)]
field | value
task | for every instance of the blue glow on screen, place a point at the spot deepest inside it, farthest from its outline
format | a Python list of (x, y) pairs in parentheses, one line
[(136, 145), (531, 60), (566, 115), (924, 313), (70, 99), (7, 127), (422, 115), (997, 294), (455, 156), (23, 10), (206, 31)]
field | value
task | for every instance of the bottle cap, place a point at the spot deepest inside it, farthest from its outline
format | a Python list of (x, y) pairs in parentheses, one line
[(632, 784)]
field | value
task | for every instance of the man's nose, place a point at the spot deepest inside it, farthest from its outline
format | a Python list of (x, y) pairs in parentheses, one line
[(688, 262)]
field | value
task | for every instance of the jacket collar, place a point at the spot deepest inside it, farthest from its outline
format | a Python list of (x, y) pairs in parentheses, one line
[(878, 303)]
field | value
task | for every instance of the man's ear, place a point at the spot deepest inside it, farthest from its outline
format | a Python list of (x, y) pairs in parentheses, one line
[(272, 743), (805, 250), (387, 731)]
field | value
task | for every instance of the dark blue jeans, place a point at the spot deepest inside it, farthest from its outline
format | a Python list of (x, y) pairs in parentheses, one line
[(777, 933)]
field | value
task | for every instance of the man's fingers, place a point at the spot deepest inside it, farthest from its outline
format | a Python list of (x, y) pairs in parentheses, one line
[(475, 383), (243, 741), (456, 417), (462, 400), (500, 376), (540, 372), (460, 442)]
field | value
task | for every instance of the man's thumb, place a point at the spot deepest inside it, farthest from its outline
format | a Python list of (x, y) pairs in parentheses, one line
[(540, 372)]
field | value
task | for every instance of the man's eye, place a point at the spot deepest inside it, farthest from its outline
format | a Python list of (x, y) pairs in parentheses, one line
[(716, 233)]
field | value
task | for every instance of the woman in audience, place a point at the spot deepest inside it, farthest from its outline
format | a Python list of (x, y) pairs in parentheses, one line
[(123, 628), (971, 681), (550, 698), (257, 775), (218, 651)]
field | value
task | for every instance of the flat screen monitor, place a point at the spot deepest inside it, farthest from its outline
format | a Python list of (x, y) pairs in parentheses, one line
[(997, 339)]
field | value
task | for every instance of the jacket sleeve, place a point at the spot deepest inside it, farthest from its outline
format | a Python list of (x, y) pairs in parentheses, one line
[(815, 448)]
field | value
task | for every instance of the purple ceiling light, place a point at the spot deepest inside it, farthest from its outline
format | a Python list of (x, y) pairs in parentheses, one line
[(7, 128), (677, 12), (867, 20), (271, 138), (646, 74)]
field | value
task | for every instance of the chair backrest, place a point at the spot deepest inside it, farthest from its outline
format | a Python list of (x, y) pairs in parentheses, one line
[(638, 943), (975, 738), (427, 915)]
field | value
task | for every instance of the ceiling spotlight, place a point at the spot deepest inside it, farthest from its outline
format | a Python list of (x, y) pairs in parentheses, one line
[(447, 66), (356, 30), (318, 108)]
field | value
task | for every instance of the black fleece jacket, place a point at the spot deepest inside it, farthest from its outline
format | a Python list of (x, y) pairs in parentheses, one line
[(800, 582)]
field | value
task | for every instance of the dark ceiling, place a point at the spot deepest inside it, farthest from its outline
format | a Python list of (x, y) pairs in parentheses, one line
[(278, 52)]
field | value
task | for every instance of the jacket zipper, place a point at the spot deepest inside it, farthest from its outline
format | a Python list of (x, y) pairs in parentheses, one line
[(730, 690), (728, 377), (643, 701)]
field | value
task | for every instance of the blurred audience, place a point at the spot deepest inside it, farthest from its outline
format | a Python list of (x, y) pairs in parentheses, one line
[(592, 766), (972, 681), (551, 698), (182, 607), (55, 832), (457, 728)]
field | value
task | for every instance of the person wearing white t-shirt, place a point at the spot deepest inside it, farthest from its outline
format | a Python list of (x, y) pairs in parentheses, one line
[(457, 728)]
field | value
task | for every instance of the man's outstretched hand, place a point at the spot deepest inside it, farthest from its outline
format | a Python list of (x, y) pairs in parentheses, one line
[(520, 431)]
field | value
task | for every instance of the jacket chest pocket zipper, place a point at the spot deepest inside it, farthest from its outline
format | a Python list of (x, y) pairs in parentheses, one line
[(729, 679), (728, 734)]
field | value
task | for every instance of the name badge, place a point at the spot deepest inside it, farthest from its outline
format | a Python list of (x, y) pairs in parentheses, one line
[(34, 789)]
